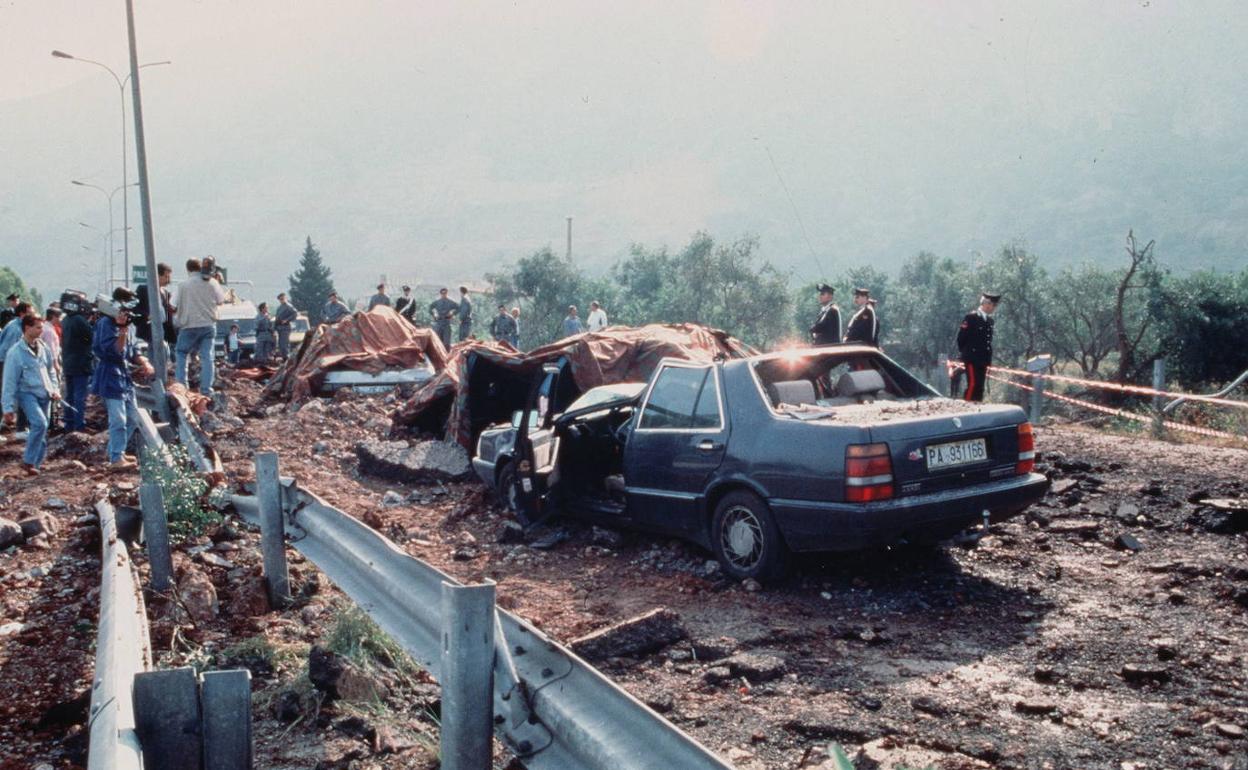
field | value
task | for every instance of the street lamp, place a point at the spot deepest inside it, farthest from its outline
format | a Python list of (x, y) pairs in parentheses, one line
[(121, 88), (111, 249)]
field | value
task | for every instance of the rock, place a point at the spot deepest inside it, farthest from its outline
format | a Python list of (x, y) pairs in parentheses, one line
[(320, 447), (1228, 730), (1035, 706), (714, 649), (1167, 649), (384, 741), (287, 706), (607, 538), (324, 668), (662, 702), (756, 667), (427, 461), (1127, 512), (9, 629), (1062, 486), (40, 571), (550, 539), (55, 504), (358, 686), (1140, 673), (751, 585), (511, 532), (312, 408), (717, 674), (1085, 528), (87, 520), (213, 560), (1128, 543), (822, 724), (40, 524), (10, 533), (645, 633), (929, 706), (392, 498), (198, 596), (869, 703), (737, 755), (250, 598)]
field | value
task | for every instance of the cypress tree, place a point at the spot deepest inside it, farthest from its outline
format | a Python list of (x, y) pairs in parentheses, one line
[(311, 285)]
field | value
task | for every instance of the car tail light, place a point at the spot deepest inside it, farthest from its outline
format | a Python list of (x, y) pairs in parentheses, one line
[(1026, 450), (868, 473)]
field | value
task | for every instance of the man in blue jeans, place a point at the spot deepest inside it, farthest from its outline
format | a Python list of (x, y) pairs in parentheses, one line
[(30, 383), (195, 305), (112, 382)]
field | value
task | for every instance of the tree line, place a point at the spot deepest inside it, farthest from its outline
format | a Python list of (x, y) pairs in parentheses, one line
[(1104, 319)]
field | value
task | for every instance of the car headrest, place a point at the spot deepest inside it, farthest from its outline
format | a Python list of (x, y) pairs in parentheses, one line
[(866, 382), (792, 392)]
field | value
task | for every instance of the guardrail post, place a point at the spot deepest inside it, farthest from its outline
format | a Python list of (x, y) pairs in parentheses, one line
[(467, 676), (272, 528), (1159, 383), (225, 697), (166, 718), (156, 535), (1038, 365)]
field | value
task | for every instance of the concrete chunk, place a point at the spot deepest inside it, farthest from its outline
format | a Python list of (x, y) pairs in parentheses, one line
[(638, 635), (426, 461)]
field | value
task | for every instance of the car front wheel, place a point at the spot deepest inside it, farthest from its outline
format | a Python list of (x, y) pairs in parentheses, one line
[(746, 541)]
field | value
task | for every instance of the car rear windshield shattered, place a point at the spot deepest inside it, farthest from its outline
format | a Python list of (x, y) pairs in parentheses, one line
[(820, 385)]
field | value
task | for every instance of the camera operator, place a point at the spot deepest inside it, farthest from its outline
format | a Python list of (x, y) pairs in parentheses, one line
[(112, 382), (76, 358)]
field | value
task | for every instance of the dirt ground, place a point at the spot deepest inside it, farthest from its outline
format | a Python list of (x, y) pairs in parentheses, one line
[(1105, 629)]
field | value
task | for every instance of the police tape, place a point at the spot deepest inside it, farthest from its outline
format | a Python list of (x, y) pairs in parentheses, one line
[(1179, 426), (1139, 390)]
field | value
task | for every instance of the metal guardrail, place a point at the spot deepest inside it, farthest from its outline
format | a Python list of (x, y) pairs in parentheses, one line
[(122, 650), (554, 710)]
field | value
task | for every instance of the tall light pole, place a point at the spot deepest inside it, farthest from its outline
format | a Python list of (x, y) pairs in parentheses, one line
[(112, 273), (125, 170)]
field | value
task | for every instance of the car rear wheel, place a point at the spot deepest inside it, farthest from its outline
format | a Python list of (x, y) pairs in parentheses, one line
[(745, 538)]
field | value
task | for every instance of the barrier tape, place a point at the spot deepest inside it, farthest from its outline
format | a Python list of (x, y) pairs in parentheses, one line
[(1122, 412), (1135, 389)]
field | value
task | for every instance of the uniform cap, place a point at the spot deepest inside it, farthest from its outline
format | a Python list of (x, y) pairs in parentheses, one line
[(826, 289), (13, 297), (993, 298), (861, 292)]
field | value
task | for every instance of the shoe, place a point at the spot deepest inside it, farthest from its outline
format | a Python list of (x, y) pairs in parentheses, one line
[(30, 470), (123, 465)]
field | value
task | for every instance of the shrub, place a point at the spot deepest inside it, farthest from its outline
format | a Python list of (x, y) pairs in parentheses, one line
[(187, 497)]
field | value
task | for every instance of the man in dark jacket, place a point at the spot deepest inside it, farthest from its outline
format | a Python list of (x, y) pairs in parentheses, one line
[(282, 321), (76, 362), (112, 380), (164, 276), (827, 327), (975, 345), (862, 327)]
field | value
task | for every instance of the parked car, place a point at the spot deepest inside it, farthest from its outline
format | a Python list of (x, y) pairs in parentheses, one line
[(825, 449)]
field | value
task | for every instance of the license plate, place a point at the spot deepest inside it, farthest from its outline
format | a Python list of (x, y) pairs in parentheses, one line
[(956, 453)]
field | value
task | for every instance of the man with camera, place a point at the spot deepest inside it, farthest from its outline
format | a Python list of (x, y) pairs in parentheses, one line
[(115, 351), (76, 358), (195, 315), (30, 384)]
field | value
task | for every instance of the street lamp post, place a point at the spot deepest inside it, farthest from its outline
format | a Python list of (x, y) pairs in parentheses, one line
[(112, 273), (125, 171)]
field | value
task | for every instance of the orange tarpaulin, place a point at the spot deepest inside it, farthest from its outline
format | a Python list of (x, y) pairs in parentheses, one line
[(370, 342)]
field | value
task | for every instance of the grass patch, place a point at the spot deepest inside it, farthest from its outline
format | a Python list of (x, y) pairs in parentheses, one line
[(188, 499), (357, 638)]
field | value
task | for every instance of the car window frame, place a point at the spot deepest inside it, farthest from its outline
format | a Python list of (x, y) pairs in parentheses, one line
[(719, 399)]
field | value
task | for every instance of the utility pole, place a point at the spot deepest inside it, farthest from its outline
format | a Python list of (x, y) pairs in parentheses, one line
[(157, 309), (569, 239)]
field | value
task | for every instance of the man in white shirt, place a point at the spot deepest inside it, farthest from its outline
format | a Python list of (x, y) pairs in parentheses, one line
[(195, 314), (597, 320)]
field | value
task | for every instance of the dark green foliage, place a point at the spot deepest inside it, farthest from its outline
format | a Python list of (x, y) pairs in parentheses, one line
[(543, 285), (184, 492), (1203, 325), (11, 282), (927, 303), (311, 284)]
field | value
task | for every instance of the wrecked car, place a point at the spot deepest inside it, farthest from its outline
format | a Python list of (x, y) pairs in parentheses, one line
[(827, 449)]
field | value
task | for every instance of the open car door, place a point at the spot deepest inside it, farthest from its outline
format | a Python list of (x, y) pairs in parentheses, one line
[(537, 445)]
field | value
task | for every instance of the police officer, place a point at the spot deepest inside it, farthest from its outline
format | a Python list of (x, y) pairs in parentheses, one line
[(862, 326), (406, 305), (827, 327), (442, 310), (503, 327), (335, 309), (282, 320), (380, 298), (975, 345), (465, 314)]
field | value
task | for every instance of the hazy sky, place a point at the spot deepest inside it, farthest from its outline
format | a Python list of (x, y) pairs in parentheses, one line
[(436, 141)]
